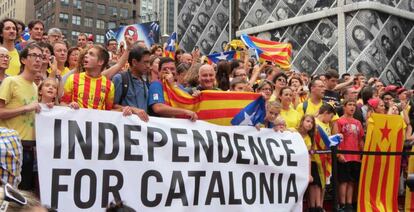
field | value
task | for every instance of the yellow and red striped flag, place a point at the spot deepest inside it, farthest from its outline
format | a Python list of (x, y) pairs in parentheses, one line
[(219, 107), (409, 196), (277, 52), (323, 161), (379, 178)]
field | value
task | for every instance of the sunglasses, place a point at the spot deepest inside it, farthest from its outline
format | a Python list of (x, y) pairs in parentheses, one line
[(11, 195)]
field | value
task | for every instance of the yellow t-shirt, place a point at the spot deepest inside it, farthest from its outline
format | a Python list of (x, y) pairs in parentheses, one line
[(291, 117), (308, 142), (272, 98), (312, 109), (65, 71), (325, 127), (14, 63), (18, 92)]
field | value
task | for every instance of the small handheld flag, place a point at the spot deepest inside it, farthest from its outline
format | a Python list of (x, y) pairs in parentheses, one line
[(215, 58), (329, 141), (171, 46)]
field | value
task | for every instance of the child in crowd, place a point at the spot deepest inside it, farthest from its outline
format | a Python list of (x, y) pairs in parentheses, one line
[(349, 165), (306, 129), (272, 111), (48, 92), (320, 168), (279, 125)]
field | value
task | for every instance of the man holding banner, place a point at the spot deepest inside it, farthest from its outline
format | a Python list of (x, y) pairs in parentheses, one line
[(90, 89), (131, 90), (156, 101)]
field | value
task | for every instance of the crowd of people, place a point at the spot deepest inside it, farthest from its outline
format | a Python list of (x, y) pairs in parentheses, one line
[(47, 71)]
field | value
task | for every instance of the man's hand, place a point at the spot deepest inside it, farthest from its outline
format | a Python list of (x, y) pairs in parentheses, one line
[(192, 115), (341, 158), (196, 93), (196, 55), (129, 42), (127, 111), (32, 107), (141, 114)]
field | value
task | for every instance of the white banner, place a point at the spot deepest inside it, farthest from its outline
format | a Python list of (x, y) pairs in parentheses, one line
[(88, 158)]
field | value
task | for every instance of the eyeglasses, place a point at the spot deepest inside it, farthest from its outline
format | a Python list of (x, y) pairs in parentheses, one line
[(4, 56), (36, 56), (281, 80), (240, 75)]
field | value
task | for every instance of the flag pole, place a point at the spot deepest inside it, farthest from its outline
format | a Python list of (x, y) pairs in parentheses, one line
[(230, 19), (334, 181)]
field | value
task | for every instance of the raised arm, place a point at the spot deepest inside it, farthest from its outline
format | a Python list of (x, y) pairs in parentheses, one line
[(110, 72)]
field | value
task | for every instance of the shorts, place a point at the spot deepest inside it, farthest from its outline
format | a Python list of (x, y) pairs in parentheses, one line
[(349, 171), (315, 175)]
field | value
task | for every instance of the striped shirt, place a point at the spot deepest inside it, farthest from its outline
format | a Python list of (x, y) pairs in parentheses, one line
[(88, 92), (11, 152)]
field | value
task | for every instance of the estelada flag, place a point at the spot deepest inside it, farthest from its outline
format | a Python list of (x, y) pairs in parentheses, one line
[(217, 57), (409, 196), (323, 161), (219, 107), (380, 174), (169, 50), (277, 52)]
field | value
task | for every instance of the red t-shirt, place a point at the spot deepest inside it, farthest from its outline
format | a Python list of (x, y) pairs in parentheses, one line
[(353, 132)]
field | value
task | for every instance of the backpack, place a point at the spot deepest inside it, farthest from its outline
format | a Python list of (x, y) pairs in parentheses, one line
[(305, 106), (125, 85)]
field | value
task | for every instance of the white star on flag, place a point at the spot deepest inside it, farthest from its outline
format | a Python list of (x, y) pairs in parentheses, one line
[(171, 42), (247, 119), (222, 56)]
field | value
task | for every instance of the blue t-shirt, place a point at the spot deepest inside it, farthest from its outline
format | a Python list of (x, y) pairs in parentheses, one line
[(136, 95), (155, 93)]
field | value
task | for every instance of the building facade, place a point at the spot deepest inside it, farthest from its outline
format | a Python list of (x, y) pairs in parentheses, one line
[(88, 16), (375, 37), (147, 11), (166, 15), (17, 9)]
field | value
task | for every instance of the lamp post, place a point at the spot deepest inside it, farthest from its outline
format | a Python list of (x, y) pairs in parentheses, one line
[(164, 38)]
